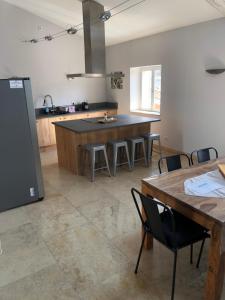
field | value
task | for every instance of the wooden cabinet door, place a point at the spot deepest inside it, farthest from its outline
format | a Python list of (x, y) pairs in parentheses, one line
[(52, 129), (112, 112), (43, 132)]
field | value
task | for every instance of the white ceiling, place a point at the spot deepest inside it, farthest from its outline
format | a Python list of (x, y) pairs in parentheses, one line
[(150, 17)]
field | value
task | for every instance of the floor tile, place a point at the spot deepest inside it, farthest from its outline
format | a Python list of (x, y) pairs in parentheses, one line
[(111, 217), (86, 255), (24, 253), (48, 208), (13, 218)]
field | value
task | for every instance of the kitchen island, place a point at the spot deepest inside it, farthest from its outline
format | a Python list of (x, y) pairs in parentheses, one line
[(71, 135)]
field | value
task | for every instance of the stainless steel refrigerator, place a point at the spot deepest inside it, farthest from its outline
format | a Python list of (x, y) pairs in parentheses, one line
[(20, 167)]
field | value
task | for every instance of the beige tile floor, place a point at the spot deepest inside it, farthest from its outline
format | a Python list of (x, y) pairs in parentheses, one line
[(82, 242)]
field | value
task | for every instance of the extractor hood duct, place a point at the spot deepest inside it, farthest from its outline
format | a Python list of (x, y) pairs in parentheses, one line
[(94, 41)]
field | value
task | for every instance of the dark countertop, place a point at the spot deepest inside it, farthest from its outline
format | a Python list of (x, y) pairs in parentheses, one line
[(41, 116), (88, 125), (93, 107)]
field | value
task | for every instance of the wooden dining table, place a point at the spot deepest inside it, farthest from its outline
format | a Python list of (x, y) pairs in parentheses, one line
[(208, 212)]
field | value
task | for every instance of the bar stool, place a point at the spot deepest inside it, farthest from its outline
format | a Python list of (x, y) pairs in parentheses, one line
[(92, 149), (150, 138), (133, 143), (116, 145)]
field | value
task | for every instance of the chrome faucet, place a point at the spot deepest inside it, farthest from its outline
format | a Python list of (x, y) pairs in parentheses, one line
[(45, 101)]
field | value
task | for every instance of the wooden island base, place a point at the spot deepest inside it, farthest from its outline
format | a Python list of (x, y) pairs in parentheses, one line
[(69, 143)]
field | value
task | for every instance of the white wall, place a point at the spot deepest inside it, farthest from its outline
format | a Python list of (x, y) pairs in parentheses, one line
[(45, 63), (193, 102)]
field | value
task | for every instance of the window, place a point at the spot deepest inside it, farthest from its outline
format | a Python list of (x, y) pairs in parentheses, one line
[(145, 89)]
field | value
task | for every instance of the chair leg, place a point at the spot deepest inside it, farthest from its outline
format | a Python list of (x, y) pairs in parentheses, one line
[(83, 157), (115, 151), (128, 157), (140, 252), (174, 274), (133, 148), (191, 256), (200, 253), (107, 162), (151, 141), (148, 151), (92, 153), (160, 148), (144, 152)]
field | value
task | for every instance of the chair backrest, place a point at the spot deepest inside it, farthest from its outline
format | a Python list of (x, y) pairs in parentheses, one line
[(203, 155), (173, 162), (153, 218)]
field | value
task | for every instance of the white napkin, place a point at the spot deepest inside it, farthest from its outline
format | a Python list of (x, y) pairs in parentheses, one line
[(211, 184)]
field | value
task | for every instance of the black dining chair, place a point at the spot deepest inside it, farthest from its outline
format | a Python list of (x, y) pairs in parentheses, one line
[(203, 155), (173, 162), (170, 228)]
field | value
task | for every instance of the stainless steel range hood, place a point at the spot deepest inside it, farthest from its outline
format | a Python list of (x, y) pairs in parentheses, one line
[(94, 41)]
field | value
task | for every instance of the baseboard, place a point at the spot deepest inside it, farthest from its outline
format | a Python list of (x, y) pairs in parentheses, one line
[(166, 149)]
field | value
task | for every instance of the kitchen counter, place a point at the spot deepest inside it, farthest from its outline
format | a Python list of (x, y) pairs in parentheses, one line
[(72, 135), (93, 107), (46, 129), (92, 124), (41, 116)]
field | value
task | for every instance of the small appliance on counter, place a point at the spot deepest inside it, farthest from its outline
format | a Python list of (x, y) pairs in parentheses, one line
[(72, 108), (62, 109), (85, 105)]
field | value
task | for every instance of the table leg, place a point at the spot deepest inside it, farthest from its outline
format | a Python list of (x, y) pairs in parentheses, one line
[(216, 264)]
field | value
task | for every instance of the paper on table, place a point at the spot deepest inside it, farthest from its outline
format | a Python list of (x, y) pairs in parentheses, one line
[(211, 184), (204, 186)]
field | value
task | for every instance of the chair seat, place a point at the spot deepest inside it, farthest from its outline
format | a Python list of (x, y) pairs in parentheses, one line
[(152, 136), (137, 139), (187, 231), (115, 142), (93, 146)]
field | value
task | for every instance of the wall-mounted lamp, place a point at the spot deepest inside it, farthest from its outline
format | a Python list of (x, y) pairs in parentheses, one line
[(215, 71)]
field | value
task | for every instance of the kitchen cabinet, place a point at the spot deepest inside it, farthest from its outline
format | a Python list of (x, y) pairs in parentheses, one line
[(52, 129), (46, 130), (43, 132)]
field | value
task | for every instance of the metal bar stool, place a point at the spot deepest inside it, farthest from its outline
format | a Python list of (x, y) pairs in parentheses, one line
[(92, 149), (133, 143), (150, 138), (116, 145)]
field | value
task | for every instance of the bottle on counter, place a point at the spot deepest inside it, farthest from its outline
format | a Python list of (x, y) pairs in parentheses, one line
[(72, 108)]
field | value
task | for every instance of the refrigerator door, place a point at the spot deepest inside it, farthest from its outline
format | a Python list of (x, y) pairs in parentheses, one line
[(18, 160)]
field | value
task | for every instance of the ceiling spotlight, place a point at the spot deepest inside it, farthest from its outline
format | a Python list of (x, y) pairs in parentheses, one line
[(71, 30), (105, 16), (33, 41), (48, 38)]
